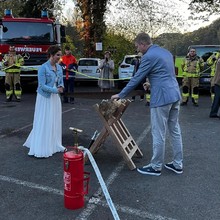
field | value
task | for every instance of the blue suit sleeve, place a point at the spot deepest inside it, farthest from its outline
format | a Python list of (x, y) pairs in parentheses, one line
[(141, 74)]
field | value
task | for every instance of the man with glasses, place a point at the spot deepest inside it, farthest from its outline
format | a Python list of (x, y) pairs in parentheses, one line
[(192, 65)]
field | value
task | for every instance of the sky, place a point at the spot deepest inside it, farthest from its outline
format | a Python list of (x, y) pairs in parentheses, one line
[(68, 4), (195, 25), (68, 9), (181, 7)]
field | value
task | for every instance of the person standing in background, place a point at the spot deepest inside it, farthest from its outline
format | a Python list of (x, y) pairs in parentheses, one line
[(146, 86), (192, 66), (136, 62), (216, 83), (11, 63), (211, 61), (45, 138), (69, 65), (106, 76)]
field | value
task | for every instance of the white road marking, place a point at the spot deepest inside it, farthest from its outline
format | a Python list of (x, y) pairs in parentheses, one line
[(92, 202), (134, 212), (90, 208), (97, 197), (31, 185), (68, 110), (15, 131), (20, 129), (4, 116)]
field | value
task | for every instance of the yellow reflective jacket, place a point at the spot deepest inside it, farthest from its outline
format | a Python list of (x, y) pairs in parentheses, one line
[(212, 60), (192, 66), (12, 63)]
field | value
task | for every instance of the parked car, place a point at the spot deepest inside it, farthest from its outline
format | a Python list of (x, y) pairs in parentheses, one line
[(125, 70), (88, 69)]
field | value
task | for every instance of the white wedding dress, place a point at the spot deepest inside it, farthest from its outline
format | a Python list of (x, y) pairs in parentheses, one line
[(45, 138)]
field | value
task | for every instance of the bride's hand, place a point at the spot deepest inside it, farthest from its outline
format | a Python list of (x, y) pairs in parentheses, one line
[(60, 89)]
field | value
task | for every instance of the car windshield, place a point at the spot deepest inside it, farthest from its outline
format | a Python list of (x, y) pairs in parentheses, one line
[(27, 32), (129, 60), (88, 63)]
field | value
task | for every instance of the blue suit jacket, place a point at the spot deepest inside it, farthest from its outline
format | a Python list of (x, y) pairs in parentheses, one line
[(47, 78), (158, 66)]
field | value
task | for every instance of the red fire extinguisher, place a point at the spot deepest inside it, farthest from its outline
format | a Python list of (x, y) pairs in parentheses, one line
[(76, 181)]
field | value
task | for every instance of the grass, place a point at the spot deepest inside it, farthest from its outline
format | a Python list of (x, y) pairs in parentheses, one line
[(178, 61)]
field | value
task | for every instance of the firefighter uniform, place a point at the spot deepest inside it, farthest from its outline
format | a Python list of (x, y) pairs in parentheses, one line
[(147, 96), (68, 62), (136, 62), (147, 91), (192, 65), (211, 61), (12, 67)]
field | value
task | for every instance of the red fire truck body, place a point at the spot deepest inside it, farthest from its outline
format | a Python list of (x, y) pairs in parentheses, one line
[(31, 38)]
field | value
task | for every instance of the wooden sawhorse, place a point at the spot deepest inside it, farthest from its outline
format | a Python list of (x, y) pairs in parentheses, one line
[(114, 126)]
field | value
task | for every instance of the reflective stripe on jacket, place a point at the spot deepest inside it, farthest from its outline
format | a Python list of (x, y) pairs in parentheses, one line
[(211, 61), (13, 67), (192, 66)]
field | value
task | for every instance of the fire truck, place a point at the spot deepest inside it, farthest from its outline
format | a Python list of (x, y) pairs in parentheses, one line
[(31, 38)]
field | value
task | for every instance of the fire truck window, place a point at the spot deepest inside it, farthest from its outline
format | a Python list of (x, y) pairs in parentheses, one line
[(41, 32)]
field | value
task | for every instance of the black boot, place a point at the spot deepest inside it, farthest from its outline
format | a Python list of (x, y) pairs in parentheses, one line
[(194, 102), (183, 103)]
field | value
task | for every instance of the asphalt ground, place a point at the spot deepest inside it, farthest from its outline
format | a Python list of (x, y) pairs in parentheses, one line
[(33, 188)]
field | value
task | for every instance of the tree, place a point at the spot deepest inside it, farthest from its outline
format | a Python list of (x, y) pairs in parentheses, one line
[(10, 4), (118, 46), (204, 9), (154, 17), (92, 23), (33, 9), (133, 16), (73, 41), (171, 41)]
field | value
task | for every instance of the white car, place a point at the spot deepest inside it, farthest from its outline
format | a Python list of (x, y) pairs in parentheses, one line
[(125, 69), (88, 69)]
